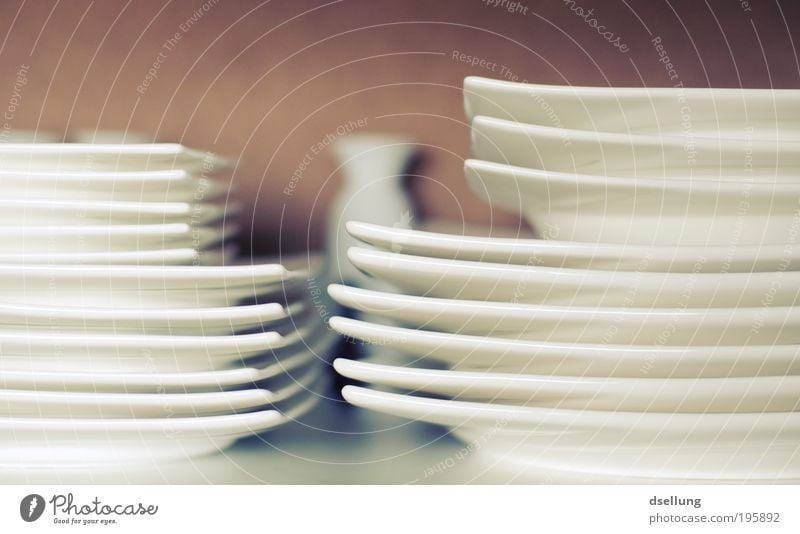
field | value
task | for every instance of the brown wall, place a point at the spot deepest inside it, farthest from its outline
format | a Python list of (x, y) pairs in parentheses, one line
[(263, 81)]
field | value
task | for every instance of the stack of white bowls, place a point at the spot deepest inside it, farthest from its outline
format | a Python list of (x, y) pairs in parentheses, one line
[(649, 333), (127, 333)]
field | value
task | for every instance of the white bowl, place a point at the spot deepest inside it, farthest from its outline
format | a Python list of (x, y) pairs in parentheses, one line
[(681, 112), (603, 209), (572, 254), (641, 156)]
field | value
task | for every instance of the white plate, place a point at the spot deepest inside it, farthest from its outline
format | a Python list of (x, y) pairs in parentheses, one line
[(140, 286), (551, 253), (643, 326), (53, 212), (729, 446), (550, 285), (102, 405), (101, 296), (771, 113), (613, 154), (50, 404), (549, 461), (182, 321), (167, 256), (149, 277), (581, 427), (133, 353), (148, 186), (516, 356), (28, 351), (85, 442), (39, 239), (206, 192), (88, 135), (269, 369), (82, 157), (678, 395), (19, 135), (605, 209)]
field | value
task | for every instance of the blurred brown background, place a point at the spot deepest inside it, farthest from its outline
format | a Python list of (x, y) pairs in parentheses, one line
[(263, 81)]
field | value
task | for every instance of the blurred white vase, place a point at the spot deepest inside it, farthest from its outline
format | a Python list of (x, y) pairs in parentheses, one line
[(373, 168)]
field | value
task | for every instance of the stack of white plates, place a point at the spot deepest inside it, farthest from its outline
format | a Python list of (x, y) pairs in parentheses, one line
[(149, 204), (650, 332), (125, 335)]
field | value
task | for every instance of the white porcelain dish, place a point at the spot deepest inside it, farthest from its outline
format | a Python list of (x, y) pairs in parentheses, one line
[(31, 351), (21, 135), (467, 352), (136, 353), (576, 255), (140, 286), (604, 209), (108, 136), (744, 462), (260, 374), (105, 181), (548, 285), (151, 277), (643, 326), (19, 403), (82, 157), (673, 395), (52, 212), (166, 256), (206, 192), (86, 442), (148, 186), (153, 321), (38, 239), (683, 445), (680, 112), (640, 156), (82, 405), (578, 427)]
